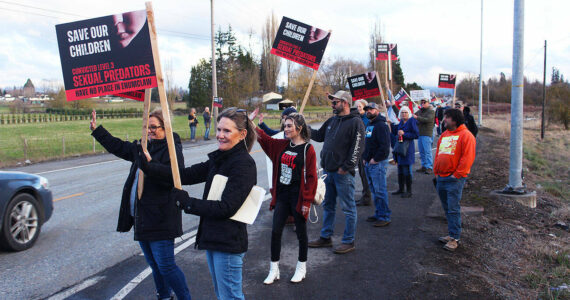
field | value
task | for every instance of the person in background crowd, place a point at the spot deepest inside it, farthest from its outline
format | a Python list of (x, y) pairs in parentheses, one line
[(156, 220), (224, 239), (295, 184), (207, 121), (366, 196), (343, 136), (375, 159), (407, 130), (192, 122), (454, 157), (426, 118), (439, 117), (470, 121), (269, 131)]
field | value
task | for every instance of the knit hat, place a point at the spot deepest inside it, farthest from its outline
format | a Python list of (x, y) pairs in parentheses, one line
[(288, 111)]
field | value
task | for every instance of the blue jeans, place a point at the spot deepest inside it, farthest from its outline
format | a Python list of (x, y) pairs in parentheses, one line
[(376, 175), (226, 269), (167, 276), (424, 145), (192, 132), (341, 188), (207, 132), (450, 189)]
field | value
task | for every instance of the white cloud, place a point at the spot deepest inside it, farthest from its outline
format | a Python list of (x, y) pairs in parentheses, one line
[(432, 36)]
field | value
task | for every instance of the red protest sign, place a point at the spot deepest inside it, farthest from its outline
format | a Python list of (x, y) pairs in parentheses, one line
[(109, 55), (446, 81), (301, 43), (364, 86), (218, 101), (382, 51)]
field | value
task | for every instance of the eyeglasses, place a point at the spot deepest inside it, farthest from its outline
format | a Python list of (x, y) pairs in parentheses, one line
[(153, 128), (335, 102)]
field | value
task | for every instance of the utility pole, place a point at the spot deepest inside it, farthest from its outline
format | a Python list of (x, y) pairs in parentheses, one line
[(214, 80), (543, 94), (481, 72), (516, 144)]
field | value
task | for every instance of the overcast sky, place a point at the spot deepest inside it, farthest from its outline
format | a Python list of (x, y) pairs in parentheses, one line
[(433, 36)]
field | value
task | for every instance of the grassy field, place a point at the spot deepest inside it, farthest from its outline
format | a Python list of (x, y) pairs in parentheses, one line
[(45, 141)]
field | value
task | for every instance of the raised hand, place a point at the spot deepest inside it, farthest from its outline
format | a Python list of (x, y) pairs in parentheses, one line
[(253, 114), (93, 123)]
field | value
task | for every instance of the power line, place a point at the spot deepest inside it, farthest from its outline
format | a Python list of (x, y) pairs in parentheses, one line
[(40, 8)]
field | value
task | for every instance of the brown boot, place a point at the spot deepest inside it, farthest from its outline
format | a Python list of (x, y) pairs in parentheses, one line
[(451, 245), (344, 248), (320, 243)]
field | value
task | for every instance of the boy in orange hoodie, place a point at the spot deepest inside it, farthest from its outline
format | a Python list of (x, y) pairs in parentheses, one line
[(453, 160)]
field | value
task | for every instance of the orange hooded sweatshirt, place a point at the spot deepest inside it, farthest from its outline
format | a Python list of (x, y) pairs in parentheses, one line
[(455, 153)]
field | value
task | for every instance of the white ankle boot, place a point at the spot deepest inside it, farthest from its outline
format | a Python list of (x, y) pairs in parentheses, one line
[(300, 272), (273, 273)]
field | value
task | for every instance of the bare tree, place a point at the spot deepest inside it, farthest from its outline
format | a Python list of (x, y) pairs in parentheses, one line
[(376, 37), (335, 74), (270, 64)]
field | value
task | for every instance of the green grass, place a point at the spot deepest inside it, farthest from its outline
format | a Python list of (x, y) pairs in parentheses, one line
[(44, 141)]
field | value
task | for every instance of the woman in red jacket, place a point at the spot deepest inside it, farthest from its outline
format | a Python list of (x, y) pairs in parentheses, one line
[(294, 187)]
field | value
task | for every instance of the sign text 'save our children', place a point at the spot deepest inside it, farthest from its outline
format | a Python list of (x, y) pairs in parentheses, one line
[(109, 55), (364, 86), (301, 43), (382, 51), (446, 81)]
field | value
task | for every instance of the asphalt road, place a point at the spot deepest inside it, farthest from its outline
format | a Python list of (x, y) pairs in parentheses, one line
[(79, 255)]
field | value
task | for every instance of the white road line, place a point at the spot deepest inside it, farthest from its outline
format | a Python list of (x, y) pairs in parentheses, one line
[(77, 167), (146, 272), (85, 284)]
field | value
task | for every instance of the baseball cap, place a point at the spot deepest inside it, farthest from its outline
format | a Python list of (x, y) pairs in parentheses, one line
[(424, 100), (459, 103), (288, 111), (342, 95), (371, 105)]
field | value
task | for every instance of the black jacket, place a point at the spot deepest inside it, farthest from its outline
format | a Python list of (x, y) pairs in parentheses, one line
[(156, 216), (470, 121), (377, 140), (216, 231), (343, 142)]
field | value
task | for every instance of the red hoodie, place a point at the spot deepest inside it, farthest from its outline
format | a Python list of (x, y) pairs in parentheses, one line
[(455, 153)]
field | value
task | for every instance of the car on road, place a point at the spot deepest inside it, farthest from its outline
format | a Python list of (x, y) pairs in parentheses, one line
[(26, 203)]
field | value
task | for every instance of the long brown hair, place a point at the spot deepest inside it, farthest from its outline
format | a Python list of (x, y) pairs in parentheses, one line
[(239, 116), (300, 124)]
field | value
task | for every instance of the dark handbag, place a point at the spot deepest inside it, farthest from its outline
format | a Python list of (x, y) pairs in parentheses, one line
[(401, 148)]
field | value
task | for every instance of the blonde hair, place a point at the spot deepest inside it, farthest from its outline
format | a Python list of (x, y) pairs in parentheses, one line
[(364, 103)]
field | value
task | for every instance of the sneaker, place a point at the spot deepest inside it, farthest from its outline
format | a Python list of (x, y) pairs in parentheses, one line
[(320, 243), (451, 245), (381, 223), (428, 171), (344, 248), (371, 219), (421, 170), (445, 239)]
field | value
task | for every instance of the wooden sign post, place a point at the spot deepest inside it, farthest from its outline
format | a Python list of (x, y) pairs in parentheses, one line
[(383, 106), (390, 67), (144, 137), (308, 91), (162, 96)]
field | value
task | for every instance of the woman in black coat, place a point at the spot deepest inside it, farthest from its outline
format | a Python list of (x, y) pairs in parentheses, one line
[(156, 219), (224, 240)]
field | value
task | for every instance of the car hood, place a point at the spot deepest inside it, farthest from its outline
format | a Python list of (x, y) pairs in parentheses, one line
[(17, 175)]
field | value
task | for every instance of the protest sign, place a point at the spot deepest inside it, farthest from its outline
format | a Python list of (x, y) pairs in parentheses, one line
[(364, 86), (418, 95), (382, 51), (446, 81), (107, 55), (301, 43), (218, 101)]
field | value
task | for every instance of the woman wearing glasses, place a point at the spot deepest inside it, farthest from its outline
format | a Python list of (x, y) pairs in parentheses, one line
[(407, 131), (224, 240), (294, 187), (155, 218)]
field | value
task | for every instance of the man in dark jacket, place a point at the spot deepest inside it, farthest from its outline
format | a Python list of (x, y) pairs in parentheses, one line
[(470, 121), (343, 136), (375, 160), (426, 120)]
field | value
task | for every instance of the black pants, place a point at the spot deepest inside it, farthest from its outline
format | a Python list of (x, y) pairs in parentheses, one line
[(364, 180), (283, 209)]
